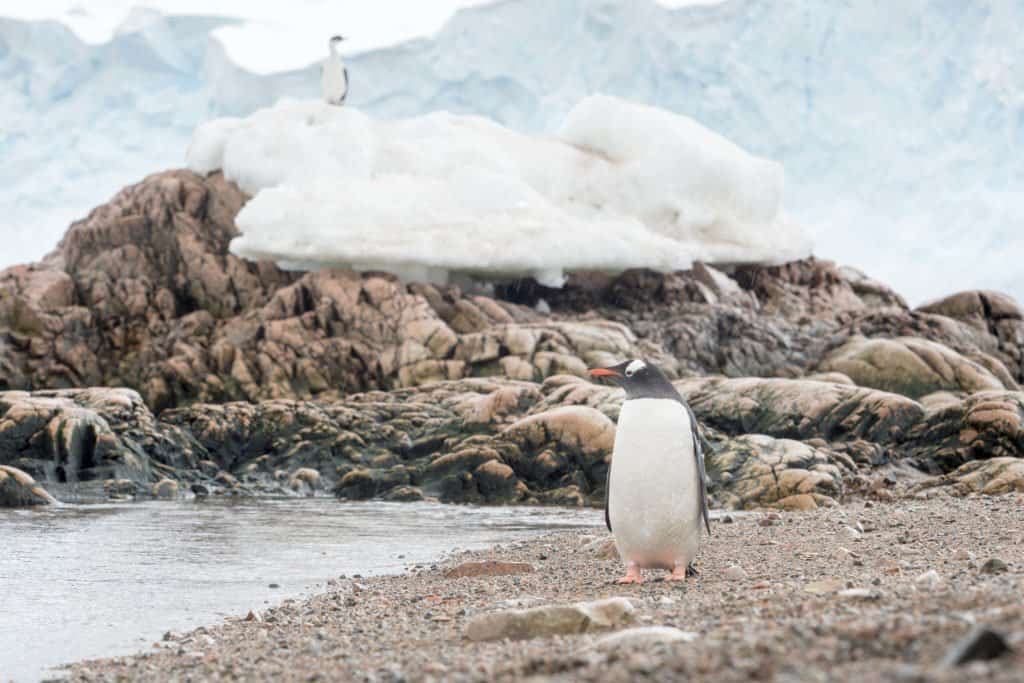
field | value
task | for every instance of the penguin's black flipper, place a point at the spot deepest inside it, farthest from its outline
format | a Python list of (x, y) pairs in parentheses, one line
[(607, 491), (698, 455)]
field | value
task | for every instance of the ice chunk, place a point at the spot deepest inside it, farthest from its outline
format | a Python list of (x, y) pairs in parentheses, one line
[(622, 186)]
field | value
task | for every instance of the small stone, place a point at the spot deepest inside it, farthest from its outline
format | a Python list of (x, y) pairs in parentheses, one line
[(930, 579), (980, 644), (734, 572), (523, 624), (963, 555), (841, 554), (860, 594), (766, 521), (994, 566), (273, 585), (253, 615), (602, 548), (824, 586), (727, 519), (666, 601), (643, 637), (851, 533)]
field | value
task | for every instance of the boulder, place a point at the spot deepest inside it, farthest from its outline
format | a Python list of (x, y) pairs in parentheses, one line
[(983, 425), (801, 409), (908, 366), (994, 477), (757, 470), (18, 489)]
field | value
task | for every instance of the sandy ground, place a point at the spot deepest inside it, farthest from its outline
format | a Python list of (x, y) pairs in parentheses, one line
[(768, 606)]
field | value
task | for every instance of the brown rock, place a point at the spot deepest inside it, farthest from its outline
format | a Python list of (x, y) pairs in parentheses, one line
[(165, 489), (909, 366), (994, 477), (18, 489)]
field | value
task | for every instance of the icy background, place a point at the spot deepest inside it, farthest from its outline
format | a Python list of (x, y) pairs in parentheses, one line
[(899, 124)]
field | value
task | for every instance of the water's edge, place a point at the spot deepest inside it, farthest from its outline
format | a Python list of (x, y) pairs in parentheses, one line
[(91, 581)]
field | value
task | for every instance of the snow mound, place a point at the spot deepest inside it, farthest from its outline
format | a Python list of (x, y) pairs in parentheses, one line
[(620, 186)]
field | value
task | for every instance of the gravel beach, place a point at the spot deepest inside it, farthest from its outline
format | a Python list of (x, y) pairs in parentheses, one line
[(867, 591)]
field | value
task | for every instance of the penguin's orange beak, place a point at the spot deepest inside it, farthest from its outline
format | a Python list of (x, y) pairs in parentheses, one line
[(604, 372)]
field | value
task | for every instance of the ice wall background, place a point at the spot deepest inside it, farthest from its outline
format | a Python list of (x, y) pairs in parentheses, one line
[(898, 124)]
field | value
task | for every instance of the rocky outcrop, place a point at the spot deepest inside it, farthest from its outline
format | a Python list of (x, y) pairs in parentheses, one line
[(769, 442), (144, 294), (804, 375)]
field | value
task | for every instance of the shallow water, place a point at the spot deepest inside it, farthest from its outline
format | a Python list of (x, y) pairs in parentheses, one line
[(90, 581)]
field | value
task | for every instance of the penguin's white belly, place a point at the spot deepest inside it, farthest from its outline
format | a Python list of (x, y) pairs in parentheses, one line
[(653, 499), (333, 81)]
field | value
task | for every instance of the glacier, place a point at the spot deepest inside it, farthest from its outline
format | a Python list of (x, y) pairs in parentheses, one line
[(619, 186), (897, 123)]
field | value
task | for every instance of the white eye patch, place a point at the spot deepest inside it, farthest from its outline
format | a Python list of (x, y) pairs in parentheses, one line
[(635, 367)]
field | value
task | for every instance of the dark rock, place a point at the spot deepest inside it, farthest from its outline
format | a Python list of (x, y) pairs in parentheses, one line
[(980, 644), (18, 489), (994, 566)]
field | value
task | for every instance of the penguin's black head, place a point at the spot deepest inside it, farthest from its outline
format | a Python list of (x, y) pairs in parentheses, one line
[(336, 39), (640, 379)]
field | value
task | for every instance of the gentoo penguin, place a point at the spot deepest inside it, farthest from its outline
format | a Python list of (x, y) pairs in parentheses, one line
[(655, 498), (334, 75)]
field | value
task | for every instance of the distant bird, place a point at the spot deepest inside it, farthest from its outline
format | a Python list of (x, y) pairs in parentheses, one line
[(655, 498), (334, 75)]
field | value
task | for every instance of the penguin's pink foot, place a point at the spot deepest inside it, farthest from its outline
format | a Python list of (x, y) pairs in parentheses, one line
[(632, 575)]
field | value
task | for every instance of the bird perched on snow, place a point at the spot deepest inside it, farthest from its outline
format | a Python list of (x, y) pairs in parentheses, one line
[(655, 498), (334, 75)]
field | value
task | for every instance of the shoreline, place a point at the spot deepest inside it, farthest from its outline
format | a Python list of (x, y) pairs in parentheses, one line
[(843, 593), (179, 566)]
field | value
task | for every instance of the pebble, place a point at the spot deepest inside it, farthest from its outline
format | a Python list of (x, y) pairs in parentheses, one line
[(273, 585), (851, 533), (860, 594), (994, 566), (842, 554), (551, 620), (963, 554), (930, 578), (735, 572), (825, 586)]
